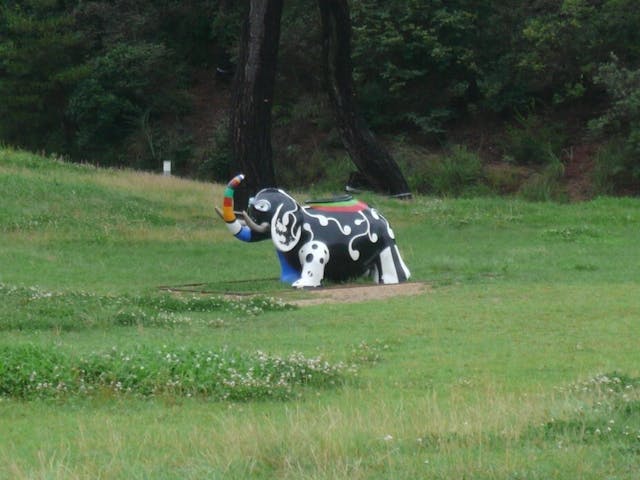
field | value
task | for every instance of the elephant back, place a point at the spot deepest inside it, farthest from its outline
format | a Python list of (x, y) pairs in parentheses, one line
[(338, 204)]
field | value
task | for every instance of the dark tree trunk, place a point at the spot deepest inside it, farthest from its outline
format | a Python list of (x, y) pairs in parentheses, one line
[(252, 95), (373, 161)]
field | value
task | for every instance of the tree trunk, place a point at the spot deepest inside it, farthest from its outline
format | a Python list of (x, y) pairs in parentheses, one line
[(374, 162), (252, 95)]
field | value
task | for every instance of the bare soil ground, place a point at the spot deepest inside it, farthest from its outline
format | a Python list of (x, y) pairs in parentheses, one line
[(577, 174), (359, 293), (350, 293)]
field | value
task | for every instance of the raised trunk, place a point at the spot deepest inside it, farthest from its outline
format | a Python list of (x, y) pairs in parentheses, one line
[(251, 232), (373, 161), (227, 214)]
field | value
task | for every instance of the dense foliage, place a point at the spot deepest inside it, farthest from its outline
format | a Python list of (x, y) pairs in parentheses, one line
[(427, 62), (112, 81)]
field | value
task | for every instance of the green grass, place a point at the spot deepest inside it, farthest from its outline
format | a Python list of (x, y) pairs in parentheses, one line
[(521, 361)]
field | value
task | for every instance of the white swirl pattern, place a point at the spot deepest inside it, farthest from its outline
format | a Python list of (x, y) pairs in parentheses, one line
[(279, 229), (373, 237), (324, 221)]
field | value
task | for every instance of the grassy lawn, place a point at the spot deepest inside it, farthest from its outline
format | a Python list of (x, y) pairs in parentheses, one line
[(520, 361)]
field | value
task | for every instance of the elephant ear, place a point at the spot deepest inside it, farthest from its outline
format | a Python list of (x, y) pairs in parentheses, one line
[(286, 227)]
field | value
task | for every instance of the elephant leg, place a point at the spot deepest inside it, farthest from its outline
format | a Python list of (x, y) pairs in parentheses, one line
[(374, 272), (313, 258), (392, 268), (405, 273), (288, 274)]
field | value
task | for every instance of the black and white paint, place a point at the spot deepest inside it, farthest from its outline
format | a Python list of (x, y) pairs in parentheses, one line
[(321, 243)]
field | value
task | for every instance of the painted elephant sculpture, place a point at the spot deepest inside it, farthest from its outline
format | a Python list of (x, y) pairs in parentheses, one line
[(336, 240)]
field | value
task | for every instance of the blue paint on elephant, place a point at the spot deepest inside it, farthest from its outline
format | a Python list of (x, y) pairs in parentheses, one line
[(288, 274), (244, 234)]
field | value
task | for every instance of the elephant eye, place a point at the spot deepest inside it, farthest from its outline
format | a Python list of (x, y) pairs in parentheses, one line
[(262, 205)]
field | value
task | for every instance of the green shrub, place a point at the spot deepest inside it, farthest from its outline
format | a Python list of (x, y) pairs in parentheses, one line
[(127, 88), (450, 175), (412, 61), (618, 163), (622, 118), (545, 185), (320, 170), (532, 140), (505, 178), (616, 169)]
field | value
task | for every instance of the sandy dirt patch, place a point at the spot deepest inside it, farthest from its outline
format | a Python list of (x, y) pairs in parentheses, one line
[(349, 293), (358, 293)]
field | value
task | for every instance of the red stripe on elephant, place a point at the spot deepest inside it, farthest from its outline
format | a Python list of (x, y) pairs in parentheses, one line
[(357, 207)]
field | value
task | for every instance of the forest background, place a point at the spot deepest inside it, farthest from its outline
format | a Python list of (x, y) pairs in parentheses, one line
[(540, 98)]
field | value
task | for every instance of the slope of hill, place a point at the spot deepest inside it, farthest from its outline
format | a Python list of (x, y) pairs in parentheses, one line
[(76, 222)]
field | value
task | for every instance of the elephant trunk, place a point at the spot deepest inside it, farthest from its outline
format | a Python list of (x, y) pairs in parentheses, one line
[(228, 214), (238, 230)]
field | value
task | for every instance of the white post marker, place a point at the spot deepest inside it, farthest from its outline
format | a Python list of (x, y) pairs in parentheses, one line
[(166, 167)]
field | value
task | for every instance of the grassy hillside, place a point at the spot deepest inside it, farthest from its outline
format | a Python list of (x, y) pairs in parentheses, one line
[(520, 360), (90, 225)]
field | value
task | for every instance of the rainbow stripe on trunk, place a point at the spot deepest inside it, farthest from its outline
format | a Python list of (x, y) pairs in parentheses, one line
[(227, 205)]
